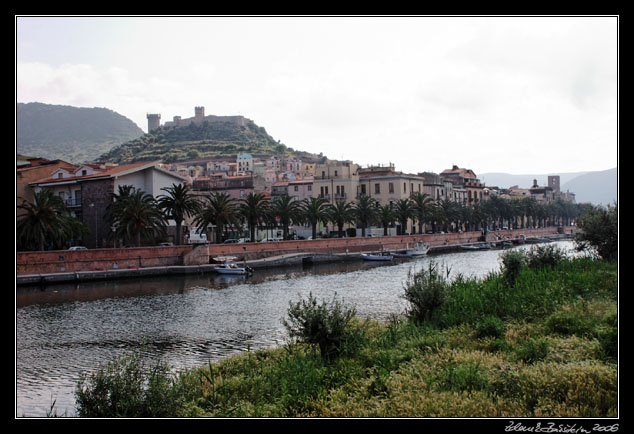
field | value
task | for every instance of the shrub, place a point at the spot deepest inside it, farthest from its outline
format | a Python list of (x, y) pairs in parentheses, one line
[(532, 350), (126, 387), (325, 324), (512, 263), (600, 230), (546, 256), (426, 291), (490, 326), (569, 321)]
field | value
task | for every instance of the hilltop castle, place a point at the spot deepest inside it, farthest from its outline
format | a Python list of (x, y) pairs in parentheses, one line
[(154, 119)]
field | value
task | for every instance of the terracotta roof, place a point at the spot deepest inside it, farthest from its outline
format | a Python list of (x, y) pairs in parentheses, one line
[(106, 173)]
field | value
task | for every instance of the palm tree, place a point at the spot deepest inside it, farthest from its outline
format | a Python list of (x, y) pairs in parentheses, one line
[(314, 210), (365, 212), (421, 204), (254, 208), (177, 205), (287, 210), (387, 216), (135, 215), (45, 222), (340, 213), (404, 211), (217, 211)]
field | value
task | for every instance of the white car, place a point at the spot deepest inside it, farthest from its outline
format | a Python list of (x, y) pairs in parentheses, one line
[(78, 248)]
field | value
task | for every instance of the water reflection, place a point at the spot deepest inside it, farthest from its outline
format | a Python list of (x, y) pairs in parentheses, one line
[(189, 320)]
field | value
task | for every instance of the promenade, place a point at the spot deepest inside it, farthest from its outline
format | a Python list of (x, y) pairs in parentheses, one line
[(42, 268)]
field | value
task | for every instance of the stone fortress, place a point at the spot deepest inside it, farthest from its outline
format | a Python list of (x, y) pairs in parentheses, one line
[(154, 119)]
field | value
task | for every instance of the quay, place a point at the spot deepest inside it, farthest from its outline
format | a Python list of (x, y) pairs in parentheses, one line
[(50, 267)]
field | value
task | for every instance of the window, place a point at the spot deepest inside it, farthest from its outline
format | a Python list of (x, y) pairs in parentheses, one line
[(296, 188), (390, 187), (404, 187), (310, 188), (363, 189), (336, 173), (377, 188)]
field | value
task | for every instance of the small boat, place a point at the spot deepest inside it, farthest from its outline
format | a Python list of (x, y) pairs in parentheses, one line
[(231, 268), (380, 256), (420, 250), (470, 247), (482, 246)]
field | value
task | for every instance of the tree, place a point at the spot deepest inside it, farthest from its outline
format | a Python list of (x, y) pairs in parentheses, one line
[(365, 212), (177, 205), (404, 211), (314, 210), (287, 210), (218, 211), (340, 213), (421, 203), (600, 230), (46, 222), (135, 215), (386, 216), (254, 208)]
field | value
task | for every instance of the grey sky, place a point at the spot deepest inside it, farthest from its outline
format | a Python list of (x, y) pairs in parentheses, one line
[(495, 94)]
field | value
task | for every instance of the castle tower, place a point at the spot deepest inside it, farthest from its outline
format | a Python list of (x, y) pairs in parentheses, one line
[(153, 121), (200, 113), (553, 182)]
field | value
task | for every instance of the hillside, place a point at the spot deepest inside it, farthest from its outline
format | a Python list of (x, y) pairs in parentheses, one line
[(598, 188), (72, 134), (198, 141)]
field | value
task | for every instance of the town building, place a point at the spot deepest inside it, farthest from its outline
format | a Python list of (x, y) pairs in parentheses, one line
[(336, 181), (90, 188), (466, 179), (29, 170)]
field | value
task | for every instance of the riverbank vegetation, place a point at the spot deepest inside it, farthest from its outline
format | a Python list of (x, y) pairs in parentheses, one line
[(539, 338)]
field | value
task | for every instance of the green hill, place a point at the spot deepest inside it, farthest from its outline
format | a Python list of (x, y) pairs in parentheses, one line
[(72, 134), (217, 138)]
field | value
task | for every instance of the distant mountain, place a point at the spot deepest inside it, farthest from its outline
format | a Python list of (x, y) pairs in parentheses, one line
[(68, 133), (598, 188), (216, 136)]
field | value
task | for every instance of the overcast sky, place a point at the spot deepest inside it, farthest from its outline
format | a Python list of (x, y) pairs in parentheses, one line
[(493, 94)]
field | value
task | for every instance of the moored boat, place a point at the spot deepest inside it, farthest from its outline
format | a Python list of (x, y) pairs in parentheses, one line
[(421, 249), (231, 268), (379, 256)]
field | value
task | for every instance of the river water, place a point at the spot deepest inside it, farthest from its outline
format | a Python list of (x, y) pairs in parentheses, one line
[(188, 321)]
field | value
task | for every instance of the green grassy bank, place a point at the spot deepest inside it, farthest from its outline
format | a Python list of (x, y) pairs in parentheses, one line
[(537, 339)]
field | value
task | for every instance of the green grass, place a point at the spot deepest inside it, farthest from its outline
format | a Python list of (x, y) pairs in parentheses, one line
[(540, 345)]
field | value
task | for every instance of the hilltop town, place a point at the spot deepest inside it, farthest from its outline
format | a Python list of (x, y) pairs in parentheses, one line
[(87, 189)]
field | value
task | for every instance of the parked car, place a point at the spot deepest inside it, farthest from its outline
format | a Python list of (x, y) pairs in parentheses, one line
[(78, 248)]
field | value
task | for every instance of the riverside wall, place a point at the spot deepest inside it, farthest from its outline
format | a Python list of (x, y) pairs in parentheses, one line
[(96, 260)]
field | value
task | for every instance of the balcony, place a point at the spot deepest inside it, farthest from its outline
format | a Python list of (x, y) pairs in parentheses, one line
[(72, 202)]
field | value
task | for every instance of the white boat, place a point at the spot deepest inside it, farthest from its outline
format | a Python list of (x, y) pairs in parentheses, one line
[(420, 250), (380, 256), (231, 268)]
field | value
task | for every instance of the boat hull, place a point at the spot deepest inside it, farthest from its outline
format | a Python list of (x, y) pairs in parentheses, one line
[(367, 257)]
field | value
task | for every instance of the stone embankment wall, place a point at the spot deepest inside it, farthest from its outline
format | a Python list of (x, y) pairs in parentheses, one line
[(65, 261)]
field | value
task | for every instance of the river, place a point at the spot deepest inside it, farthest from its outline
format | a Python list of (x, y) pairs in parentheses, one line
[(187, 321)]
